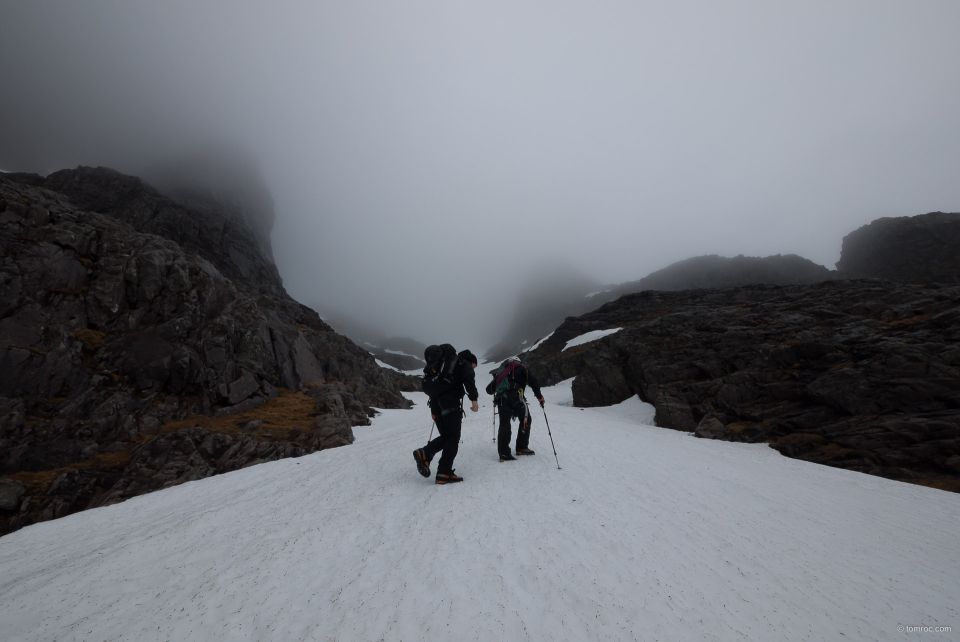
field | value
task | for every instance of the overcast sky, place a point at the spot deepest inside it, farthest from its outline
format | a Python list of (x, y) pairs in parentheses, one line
[(423, 155)]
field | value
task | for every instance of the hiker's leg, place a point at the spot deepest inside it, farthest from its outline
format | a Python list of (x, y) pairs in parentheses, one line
[(451, 441), (435, 445), (504, 434), (523, 433)]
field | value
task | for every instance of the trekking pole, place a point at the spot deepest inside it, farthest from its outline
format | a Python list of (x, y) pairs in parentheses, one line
[(551, 436), (494, 422), (431, 430)]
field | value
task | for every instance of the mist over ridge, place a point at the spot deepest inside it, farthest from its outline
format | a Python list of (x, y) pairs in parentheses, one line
[(423, 160)]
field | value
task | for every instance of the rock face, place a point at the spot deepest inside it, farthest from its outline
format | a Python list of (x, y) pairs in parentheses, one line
[(123, 312), (863, 375), (906, 249), (535, 320)]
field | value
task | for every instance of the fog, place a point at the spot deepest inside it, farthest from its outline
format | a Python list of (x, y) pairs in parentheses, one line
[(424, 157)]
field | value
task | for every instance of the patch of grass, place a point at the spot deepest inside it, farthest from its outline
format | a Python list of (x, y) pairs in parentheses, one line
[(33, 349), (832, 451), (798, 438), (911, 321), (91, 339), (288, 412), (739, 426), (841, 366), (285, 417), (38, 482)]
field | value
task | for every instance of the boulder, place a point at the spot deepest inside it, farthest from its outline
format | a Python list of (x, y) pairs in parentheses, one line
[(243, 388), (10, 495), (710, 428)]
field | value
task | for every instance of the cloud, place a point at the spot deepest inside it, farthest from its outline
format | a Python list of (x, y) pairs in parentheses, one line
[(423, 156)]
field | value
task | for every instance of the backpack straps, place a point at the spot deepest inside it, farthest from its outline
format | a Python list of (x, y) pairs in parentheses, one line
[(505, 371)]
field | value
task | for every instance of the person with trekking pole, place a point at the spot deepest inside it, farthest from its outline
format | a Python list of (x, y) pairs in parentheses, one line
[(508, 386), (447, 378)]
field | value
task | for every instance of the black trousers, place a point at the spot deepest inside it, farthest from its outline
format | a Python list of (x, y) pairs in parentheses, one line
[(508, 410), (448, 440)]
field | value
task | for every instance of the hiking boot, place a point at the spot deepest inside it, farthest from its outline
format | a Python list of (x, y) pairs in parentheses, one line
[(423, 464), (525, 451), (448, 478), (507, 457)]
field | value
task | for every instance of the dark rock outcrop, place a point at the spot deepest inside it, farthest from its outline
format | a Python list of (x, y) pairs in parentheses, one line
[(535, 320), (906, 249), (119, 322), (863, 375)]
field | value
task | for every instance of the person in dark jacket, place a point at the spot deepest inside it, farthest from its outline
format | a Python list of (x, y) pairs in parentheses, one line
[(514, 404), (447, 410)]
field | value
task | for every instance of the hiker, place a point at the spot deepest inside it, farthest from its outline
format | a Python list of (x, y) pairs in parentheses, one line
[(446, 379), (507, 388)]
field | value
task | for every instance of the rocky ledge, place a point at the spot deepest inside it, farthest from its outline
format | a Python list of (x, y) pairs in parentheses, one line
[(134, 357), (862, 375)]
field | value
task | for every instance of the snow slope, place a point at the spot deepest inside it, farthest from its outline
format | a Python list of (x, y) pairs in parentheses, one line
[(645, 533)]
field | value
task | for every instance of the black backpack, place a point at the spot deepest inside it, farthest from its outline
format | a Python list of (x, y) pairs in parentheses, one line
[(438, 376)]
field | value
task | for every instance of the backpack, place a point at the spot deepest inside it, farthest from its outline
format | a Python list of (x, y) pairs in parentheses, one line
[(438, 375), (503, 380)]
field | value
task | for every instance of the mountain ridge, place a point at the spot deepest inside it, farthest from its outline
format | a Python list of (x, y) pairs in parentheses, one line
[(708, 271)]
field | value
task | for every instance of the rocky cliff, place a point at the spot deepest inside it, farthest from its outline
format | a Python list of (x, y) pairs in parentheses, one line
[(905, 249), (145, 343), (863, 375)]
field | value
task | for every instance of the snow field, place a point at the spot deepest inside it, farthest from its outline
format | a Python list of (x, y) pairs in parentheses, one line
[(645, 533)]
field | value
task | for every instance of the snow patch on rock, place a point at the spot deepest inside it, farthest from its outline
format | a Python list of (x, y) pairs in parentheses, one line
[(590, 336), (537, 344), (388, 366)]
